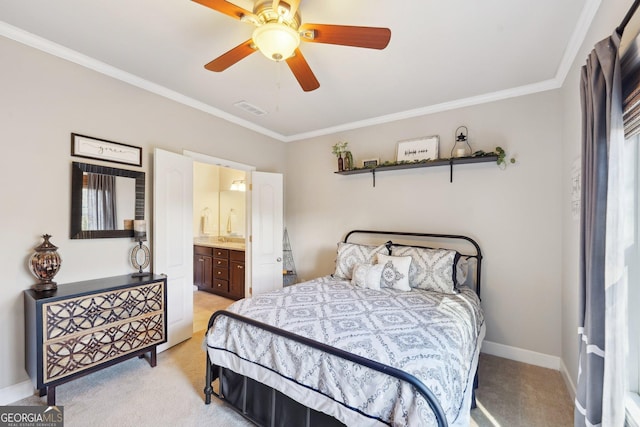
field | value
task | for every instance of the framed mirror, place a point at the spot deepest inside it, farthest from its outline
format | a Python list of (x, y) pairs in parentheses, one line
[(105, 201)]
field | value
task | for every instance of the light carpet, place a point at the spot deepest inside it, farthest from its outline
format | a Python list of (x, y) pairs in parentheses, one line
[(132, 393), (511, 394)]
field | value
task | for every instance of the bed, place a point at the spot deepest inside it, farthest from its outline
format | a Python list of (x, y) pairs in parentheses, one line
[(392, 337)]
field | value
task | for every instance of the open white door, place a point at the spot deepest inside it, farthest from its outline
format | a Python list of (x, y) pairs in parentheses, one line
[(266, 232), (173, 240)]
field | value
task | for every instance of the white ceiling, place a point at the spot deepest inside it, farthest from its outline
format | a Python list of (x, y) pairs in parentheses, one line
[(443, 54)]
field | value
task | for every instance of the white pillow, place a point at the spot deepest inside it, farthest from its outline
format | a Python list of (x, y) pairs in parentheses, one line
[(367, 276), (395, 271), (350, 254), (431, 269), (462, 270)]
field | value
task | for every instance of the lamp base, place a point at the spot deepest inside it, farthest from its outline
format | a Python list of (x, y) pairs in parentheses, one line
[(140, 259), (44, 286), (141, 274)]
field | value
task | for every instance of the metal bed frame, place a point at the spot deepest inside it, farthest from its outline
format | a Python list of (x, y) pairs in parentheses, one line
[(270, 413)]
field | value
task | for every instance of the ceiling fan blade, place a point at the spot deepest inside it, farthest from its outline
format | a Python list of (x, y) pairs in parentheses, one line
[(369, 37), (301, 70), (229, 58), (293, 6), (227, 8), (275, 4)]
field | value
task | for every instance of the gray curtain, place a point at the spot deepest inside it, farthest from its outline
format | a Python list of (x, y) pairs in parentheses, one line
[(101, 202), (599, 393)]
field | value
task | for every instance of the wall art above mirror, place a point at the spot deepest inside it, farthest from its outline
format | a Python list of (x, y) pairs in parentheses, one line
[(102, 149), (105, 201)]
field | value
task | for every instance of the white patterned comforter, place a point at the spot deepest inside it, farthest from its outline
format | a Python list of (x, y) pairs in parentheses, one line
[(432, 336)]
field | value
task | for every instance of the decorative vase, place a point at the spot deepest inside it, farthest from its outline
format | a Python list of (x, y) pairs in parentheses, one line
[(340, 162), (44, 264), (348, 161)]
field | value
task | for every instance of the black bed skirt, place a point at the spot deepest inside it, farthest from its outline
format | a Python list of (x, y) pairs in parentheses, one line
[(268, 407)]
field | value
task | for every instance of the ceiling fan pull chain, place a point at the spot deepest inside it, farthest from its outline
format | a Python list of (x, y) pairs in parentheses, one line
[(278, 85)]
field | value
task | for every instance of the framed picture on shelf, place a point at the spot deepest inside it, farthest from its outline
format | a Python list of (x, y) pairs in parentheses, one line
[(417, 149), (101, 149), (370, 163)]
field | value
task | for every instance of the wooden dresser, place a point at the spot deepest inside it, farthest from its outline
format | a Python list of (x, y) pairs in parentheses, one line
[(219, 270), (86, 326)]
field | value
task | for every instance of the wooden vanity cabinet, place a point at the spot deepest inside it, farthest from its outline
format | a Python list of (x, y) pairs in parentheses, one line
[(236, 274), (219, 271), (202, 267)]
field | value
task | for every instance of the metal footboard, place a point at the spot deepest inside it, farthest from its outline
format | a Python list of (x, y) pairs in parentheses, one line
[(389, 370)]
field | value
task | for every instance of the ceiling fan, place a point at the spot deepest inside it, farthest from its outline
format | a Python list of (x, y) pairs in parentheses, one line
[(278, 34)]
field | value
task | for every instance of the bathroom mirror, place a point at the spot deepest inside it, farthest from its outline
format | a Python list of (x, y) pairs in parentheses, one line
[(105, 201)]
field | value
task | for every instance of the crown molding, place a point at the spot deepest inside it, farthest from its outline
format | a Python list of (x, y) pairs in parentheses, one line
[(577, 39), (60, 51)]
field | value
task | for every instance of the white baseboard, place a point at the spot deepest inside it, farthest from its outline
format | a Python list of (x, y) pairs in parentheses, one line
[(15, 392), (521, 355), (532, 358)]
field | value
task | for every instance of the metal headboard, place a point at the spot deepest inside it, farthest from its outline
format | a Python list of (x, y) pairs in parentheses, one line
[(433, 237)]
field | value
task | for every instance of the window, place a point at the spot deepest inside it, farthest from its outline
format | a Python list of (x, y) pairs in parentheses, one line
[(632, 261)]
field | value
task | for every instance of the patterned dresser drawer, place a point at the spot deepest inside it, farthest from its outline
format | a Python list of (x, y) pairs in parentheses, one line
[(80, 314), (86, 326)]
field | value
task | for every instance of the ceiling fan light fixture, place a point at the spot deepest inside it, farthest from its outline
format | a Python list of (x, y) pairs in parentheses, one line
[(276, 41)]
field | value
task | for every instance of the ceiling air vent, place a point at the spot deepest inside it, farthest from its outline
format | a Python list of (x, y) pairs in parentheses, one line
[(250, 108)]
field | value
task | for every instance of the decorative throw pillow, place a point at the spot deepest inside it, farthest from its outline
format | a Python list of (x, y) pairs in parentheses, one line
[(431, 269), (367, 276), (395, 271), (350, 254), (462, 270)]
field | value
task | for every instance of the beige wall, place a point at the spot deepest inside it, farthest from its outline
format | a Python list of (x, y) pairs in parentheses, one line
[(515, 214), (43, 100)]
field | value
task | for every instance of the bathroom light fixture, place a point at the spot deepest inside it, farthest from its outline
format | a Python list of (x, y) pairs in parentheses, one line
[(238, 185)]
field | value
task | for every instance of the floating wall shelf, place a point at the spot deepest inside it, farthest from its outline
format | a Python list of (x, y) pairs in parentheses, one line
[(431, 163)]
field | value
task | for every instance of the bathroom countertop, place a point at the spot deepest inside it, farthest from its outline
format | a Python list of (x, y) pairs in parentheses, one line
[(213, 242)]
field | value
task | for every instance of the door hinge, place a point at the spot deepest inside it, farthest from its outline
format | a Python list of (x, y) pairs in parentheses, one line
[(250, 239), (250, 187)]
